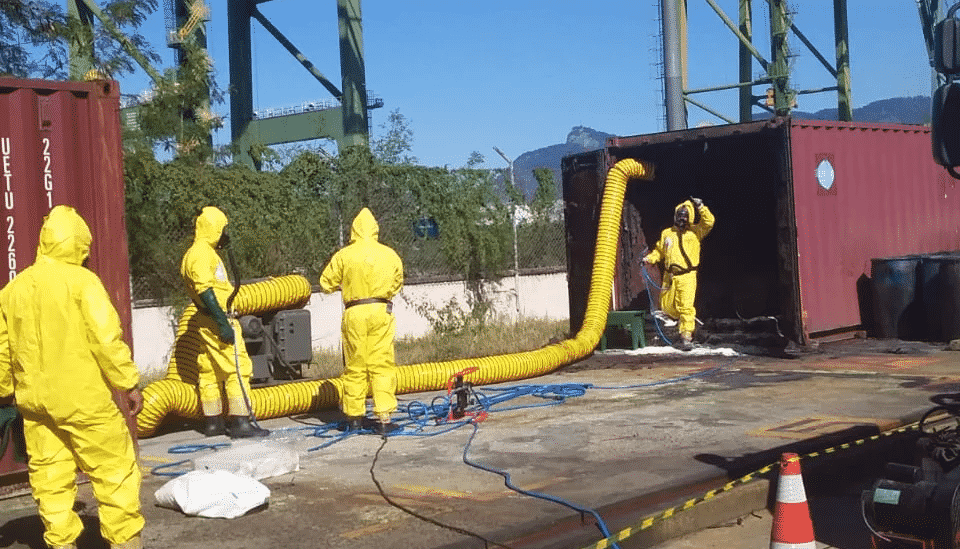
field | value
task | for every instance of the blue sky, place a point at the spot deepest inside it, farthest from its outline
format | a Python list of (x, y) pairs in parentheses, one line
[(519, 74)]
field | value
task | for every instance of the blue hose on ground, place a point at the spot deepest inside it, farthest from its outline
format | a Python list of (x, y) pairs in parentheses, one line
[(419, 416), (424, 420), (161, 470), (557, 393), (647, 281)]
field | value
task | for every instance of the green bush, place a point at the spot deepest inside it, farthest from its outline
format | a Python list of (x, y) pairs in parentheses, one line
[(293, 221)]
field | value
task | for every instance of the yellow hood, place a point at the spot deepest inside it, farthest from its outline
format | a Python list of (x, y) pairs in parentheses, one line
[(210, 225), (65, 236), (364, 226)]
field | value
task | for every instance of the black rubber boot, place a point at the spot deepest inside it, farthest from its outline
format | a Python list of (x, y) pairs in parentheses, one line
[(213, 426), (686, 342), (240, 427), (382, 428), (351, 425)]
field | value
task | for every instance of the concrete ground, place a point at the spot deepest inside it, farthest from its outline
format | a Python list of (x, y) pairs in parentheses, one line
[(636, 434)]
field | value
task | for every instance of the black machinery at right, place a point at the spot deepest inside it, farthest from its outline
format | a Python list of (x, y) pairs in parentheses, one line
[(919, 505)]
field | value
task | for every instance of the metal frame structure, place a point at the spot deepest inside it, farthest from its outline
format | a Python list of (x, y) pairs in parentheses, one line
[(186, 20), (346, 123), (782, 98), (931, 13)]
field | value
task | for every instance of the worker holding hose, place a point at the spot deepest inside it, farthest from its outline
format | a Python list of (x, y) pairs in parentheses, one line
[(368, 274), (62, 354), (223, 358), (679, 250)]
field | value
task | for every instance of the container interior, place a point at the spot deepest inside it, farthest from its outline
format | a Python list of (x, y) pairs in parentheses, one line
[(746, 260)]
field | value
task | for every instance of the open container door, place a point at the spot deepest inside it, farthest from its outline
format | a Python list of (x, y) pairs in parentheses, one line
[(741, 172)]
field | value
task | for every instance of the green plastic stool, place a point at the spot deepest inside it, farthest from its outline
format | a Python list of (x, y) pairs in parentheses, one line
[(634, 321)]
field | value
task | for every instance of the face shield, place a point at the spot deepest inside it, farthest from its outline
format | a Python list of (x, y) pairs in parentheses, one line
[(224, 240), (681, 219)]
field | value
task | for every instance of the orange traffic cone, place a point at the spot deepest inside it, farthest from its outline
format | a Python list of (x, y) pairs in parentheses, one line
[(792, 527)]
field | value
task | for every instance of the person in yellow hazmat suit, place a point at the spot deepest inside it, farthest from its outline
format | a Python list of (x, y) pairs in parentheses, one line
[(61, 355), (679, 250), (223, 359), (369, 274)]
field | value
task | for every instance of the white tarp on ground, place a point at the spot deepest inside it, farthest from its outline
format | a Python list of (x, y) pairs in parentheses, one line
[(259, 460)]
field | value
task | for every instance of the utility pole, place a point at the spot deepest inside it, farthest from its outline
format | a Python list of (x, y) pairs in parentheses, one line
[(516, 260)]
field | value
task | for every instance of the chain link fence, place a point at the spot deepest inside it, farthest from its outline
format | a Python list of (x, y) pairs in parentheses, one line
[(422, 243)]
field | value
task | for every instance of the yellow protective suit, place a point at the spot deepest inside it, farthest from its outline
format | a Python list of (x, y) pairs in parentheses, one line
[(201, 269), (61, 353), (365, 269), (679, 288)]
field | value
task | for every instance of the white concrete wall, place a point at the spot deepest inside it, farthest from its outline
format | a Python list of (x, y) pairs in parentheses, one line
[(541, 296)]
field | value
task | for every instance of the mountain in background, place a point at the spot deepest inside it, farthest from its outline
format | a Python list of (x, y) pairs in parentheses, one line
[(899, 110), (580, 139)]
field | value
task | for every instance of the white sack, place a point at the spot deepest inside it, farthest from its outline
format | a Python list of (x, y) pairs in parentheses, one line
[(212, 494)]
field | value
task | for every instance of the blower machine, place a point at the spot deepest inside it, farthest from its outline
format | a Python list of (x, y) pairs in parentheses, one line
[(919, 505)]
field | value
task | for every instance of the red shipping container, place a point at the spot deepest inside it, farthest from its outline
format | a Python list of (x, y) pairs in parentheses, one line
[(60, 143), (802, 208)]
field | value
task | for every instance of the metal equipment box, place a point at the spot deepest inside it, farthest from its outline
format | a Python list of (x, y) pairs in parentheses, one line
[(291, 332), (278, 344)]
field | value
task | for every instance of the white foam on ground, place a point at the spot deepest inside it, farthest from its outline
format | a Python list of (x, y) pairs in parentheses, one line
[(665, 350)]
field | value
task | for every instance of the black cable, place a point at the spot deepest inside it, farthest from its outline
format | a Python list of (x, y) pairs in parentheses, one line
[(487, 542), (236, 277), (238, 337), (949, 402)]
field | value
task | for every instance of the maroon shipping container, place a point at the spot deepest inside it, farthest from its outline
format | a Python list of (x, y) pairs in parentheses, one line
[(802, 208), (60, 144)]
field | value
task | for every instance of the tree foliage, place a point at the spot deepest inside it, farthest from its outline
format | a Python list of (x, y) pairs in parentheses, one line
[(35, 38), (546, 193), (393, 147), (295, 219), (277, 225), (289, 219), (178, 118)]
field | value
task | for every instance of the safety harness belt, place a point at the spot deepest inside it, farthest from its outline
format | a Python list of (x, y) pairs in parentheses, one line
[(677, 269), (368, 300)]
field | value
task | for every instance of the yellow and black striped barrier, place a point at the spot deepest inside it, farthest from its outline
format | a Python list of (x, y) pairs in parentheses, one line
[(649, 521)]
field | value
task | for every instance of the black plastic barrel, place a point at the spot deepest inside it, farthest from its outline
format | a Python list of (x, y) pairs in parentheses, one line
[(940, 290), (897, 311), (930, 288)]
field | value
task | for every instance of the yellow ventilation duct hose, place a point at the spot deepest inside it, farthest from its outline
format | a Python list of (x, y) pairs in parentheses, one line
[(169, 395)]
